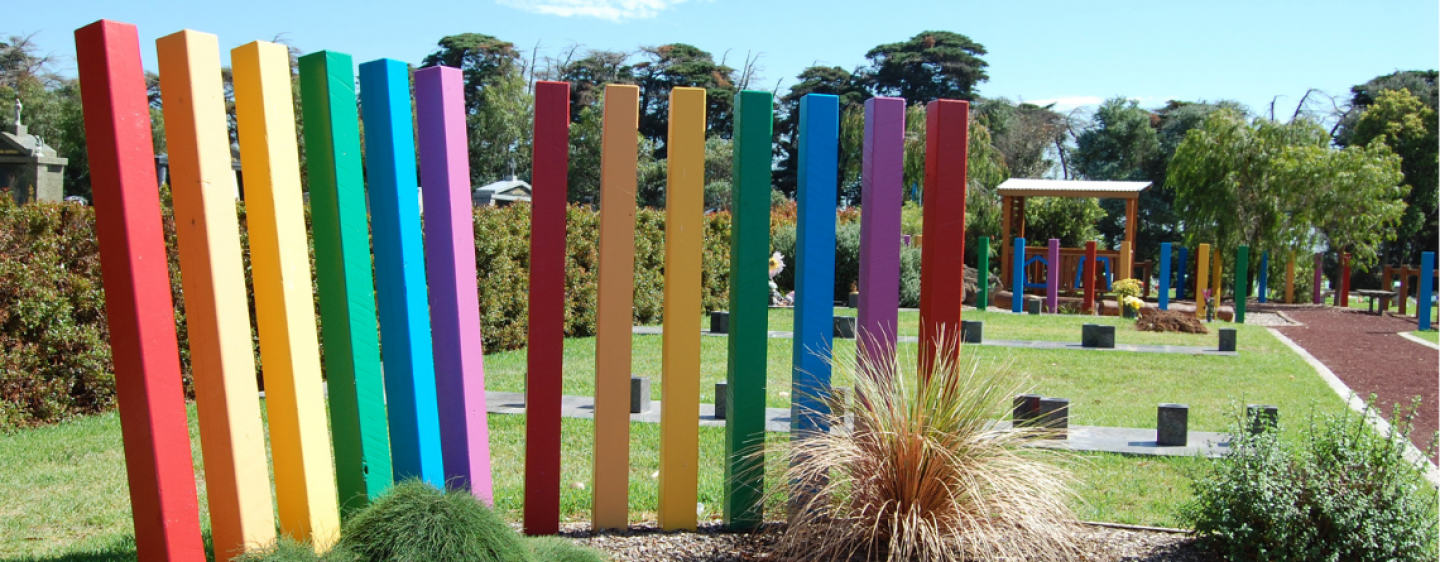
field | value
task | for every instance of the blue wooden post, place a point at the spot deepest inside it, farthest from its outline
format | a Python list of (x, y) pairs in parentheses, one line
[(814, 264), (408, 358), (1264, 275), (1017, 300), (1427, 289), (1165, 276), (1180, 273)]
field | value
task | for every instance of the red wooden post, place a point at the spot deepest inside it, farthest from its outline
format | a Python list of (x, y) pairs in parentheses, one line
[(158, 464), (947, 136), (1344, 300), (1092, 265), (547, 307)]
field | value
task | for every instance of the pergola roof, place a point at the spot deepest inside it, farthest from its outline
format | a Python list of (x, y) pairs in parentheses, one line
[(1019, 187)]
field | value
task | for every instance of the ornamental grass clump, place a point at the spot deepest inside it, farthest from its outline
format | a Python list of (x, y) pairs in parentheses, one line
[(415, 521), (927, 472)]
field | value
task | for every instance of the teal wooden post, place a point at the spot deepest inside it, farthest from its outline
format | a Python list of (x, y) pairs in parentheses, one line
[(1264, 275), (982, 274), (1242, 282), (1427, 289), (1017, 287)]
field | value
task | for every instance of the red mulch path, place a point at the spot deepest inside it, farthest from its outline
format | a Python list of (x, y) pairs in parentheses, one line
[(1366, 352)]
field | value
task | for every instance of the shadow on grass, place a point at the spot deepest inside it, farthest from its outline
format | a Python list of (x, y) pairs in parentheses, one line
[(119, 549)]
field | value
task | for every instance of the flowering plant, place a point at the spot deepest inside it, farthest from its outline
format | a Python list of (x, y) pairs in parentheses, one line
[(1133, 304), (1127, 288)]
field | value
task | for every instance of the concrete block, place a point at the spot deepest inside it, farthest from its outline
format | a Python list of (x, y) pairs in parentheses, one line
[(720, 322), (1055, 415), (639, 394), (1227, 339), (720, 398), (1262, 417), (1026, 409), (1032, 306), (1097, 335), (845, 327), (1172, 425), (972, 331), (854, 300)]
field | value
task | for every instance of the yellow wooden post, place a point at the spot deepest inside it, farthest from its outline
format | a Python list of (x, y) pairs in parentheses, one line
[(1202, 267), (1290, 280), (237, 482), (1217, 281), (1127, 262), (284, 305), (680, 355), (616, 287)]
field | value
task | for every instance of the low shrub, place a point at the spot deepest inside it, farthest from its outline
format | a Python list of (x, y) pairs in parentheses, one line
[(1342, 492), (415, 521), (556, 549), (290, 550)]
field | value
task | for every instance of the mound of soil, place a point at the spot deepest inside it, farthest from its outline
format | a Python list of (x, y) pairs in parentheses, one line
[(1169, 321)]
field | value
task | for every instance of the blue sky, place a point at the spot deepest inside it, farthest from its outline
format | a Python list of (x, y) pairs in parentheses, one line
[(1067, 52)]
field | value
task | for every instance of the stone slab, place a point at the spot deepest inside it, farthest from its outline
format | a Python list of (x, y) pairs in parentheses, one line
[(1031, 344)]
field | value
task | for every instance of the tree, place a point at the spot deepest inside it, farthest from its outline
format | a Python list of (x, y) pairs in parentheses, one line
[(498, 103), (831, 80), (929, 66), (1421, 84), (1123, 144), (1280, 187), (1404, 123), (589, 75), (1030, 136), (679, 65)]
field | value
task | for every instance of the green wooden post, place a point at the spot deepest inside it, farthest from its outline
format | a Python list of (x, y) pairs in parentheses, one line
[(1242, 282), (982, 274), (749, 312), (343, 272)]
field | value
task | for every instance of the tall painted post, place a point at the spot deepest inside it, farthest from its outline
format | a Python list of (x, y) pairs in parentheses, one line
[(1427, 290), (1180, 267), (749, 311), (158, 464), (231, 437), (450, 266), (1092, 276), (409, 357), (1164, 276), (1242, 281), (546, 350), (946, 142), (1264, 276), (616, 310), (1052, 277), (1216, 280), (1017, 285), (344, 274), (1344, 299), (680, 352), (881, 191), (1202, 267), (1290, 279), (982, 274), (815, 263), (284, 302)]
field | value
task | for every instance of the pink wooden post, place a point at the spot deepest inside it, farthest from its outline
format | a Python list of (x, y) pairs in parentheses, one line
[(450, 265), (882, 176), (1052, 277)]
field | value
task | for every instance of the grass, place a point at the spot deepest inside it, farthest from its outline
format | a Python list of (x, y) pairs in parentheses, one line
[(63, 491), (1431, 336)]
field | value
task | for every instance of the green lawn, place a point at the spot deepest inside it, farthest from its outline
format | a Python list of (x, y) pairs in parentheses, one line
[(1431, 336), (63, 493)]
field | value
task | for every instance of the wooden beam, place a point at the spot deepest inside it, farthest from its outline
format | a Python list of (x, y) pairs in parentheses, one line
[(1006, 203), (882, 180), (947, 138)]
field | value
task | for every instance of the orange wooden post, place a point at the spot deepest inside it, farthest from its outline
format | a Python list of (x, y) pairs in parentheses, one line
[(1091, 277), (616, 288), (1202, 279), (158, 465), (232, 439), (1405, 273)]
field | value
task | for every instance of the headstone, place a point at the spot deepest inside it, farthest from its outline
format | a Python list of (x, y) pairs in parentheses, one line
[(1227, 339), (972, 331), (1262, 416), (845, 327), (1032, 306), (1055, 416), (720, 398), (1172, 425), (1026, 409), (639, 394), (1097, 335), (720, 322)]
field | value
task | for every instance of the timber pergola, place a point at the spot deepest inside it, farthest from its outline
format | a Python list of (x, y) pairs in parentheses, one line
[(1013, 193)]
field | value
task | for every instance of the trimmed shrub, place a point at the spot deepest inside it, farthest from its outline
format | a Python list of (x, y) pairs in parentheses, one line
[(1343, 492), (556, 549), (415, 521), (290, 550)]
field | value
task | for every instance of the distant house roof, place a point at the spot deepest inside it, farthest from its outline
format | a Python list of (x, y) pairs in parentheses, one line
[(502, 192), (1020, 187)]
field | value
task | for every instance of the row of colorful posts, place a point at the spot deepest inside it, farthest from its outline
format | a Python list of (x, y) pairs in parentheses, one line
[(419, 411)]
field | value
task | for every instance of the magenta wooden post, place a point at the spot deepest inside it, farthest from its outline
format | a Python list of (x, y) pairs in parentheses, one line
[(450, 265), (1318, 298), (881, 191), (1052, 277)]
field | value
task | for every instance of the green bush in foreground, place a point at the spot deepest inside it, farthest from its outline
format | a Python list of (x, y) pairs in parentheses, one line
[(290, 550), (415, 521), (556, 549), (1345, 492)]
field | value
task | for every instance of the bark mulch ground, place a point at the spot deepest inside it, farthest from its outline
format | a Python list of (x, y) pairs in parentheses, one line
[(711, 543), (1366, 352)]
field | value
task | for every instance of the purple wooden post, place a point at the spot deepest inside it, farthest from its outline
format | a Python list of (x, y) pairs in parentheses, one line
[(882, 175), (450, 265), (1052, 277), (1319, 275)]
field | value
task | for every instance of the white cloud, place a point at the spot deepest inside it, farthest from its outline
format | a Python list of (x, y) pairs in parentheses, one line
[(613, 10)]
